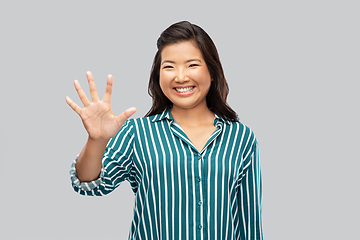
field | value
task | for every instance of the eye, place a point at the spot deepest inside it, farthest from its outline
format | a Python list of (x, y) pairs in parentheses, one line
[(193, 65), (168, 66)]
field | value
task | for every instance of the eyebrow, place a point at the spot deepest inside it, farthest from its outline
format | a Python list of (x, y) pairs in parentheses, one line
[(190, 60)]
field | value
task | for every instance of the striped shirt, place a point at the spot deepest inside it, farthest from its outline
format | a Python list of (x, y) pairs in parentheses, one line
[(181, 193)]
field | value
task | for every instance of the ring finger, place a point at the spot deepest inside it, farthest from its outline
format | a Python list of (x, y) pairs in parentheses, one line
[(81, 94)]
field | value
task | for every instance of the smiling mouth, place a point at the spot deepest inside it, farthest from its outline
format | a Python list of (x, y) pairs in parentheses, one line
[(184, 90)]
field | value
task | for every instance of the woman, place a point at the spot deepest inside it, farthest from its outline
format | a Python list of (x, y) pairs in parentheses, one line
[(193, 167)]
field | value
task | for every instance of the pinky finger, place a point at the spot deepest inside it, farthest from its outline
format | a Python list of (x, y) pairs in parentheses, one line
[(73, 105)]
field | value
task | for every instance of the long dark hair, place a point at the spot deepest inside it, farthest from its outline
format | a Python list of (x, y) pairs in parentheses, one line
[(219, 89)]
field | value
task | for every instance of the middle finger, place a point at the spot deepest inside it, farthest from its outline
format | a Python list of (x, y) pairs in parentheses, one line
[(92, 86)]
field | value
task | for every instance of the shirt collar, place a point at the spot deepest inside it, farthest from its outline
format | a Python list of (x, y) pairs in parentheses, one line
[(220, 119), (166, 114)]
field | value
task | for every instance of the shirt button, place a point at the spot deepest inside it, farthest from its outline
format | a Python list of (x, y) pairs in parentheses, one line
[(200, 203), (199, 179), (200, 226), (199, 157)]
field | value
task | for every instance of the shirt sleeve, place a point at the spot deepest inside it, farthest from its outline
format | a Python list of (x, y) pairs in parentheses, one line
[(116, 165), (250, 196)]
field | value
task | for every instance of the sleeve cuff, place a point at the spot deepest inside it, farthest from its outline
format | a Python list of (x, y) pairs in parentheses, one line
[(85, 186)]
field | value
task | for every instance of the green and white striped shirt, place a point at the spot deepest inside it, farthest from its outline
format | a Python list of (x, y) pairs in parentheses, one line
[(181, 193)]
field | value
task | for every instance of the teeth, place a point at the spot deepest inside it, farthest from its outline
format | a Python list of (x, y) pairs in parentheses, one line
[(183, 90)]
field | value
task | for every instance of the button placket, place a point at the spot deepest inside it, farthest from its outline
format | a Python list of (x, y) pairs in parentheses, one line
[(200, 225), (199, 181)]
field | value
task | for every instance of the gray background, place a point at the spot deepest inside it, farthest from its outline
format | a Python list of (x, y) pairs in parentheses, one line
[(293, 72)]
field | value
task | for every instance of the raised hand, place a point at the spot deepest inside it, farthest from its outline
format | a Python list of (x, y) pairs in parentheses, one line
[(98, 119)]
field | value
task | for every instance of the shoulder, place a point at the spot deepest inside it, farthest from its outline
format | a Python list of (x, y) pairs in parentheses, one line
[(244, 136), (242, 129)]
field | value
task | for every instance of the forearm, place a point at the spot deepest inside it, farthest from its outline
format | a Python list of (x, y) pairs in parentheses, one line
[(89, 163)]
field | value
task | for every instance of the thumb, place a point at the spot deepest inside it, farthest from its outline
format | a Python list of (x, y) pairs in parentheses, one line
[(125, 115)]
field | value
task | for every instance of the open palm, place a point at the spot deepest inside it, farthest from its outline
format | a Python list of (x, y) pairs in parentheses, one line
[(98, 119)]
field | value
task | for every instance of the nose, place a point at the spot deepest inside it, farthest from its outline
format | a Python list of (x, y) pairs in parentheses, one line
[(181, 76)]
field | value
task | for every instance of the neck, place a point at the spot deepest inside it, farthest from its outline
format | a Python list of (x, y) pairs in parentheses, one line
[(193, 116)]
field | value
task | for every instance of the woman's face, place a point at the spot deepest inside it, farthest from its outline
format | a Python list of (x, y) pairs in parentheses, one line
[(184, 77)]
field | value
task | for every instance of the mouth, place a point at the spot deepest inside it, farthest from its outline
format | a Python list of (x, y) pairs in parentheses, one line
[(184, 89)]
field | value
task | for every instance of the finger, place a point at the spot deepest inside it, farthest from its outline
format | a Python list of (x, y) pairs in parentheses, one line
[(81, 94), (125, 115), (73, 105), (107, 95), (92, 86)]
